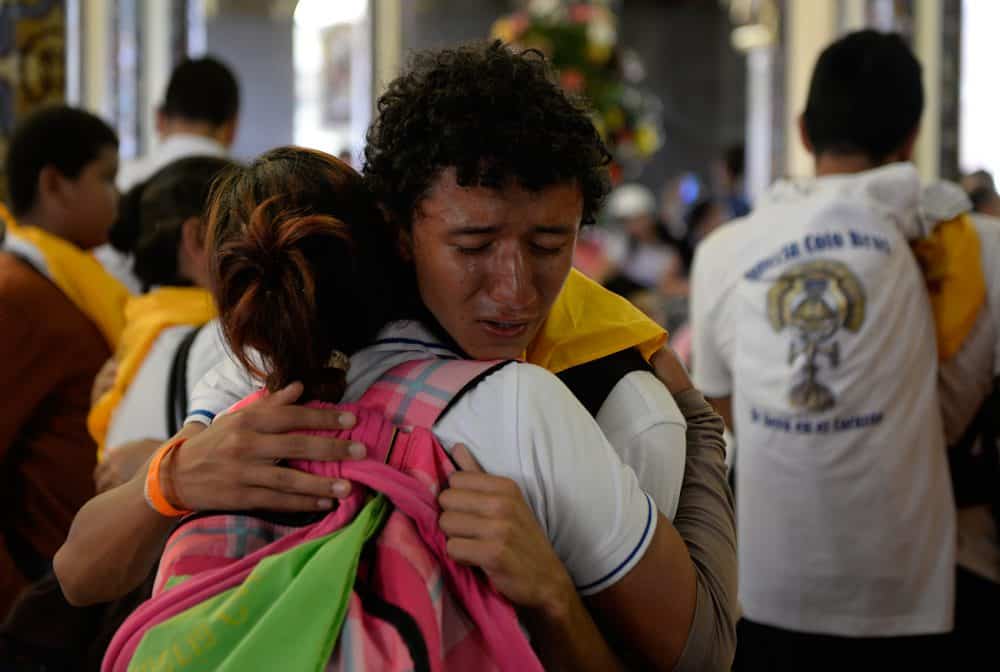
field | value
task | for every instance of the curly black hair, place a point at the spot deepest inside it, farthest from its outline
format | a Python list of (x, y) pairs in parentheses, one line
[(494, 115)]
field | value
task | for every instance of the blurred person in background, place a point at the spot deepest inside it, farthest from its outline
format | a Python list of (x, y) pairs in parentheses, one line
[(704, 217), (62, 316), (730, 182), (814, 334), (982, 192), (636, 245), (198, 117)]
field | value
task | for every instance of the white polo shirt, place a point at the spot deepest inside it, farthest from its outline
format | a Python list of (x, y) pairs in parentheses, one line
[(812, 315), (522, 423), (142, 412)]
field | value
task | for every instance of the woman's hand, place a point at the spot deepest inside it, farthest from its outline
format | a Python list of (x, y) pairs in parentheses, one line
[(122, 463), (490, 525), (233, 463)]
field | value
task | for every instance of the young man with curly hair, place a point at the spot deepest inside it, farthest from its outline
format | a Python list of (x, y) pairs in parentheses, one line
[(487, 170)]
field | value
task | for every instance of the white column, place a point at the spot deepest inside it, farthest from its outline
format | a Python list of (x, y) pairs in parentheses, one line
[(74, 52), (156, 66), (98, 38), (387, 26), (759, 121), (927, 44), (811, 26), (853, 15)]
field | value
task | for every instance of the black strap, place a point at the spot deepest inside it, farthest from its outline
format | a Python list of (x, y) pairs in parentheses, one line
[(592, 382), (400, 620), (468, 387), (177, 388)]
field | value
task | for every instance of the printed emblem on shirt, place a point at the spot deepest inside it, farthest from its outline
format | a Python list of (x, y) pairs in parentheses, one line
[(815, 301)]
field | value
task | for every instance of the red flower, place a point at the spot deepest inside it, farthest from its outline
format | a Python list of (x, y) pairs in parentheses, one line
[(581, 13), (571, 80), (519, 22)]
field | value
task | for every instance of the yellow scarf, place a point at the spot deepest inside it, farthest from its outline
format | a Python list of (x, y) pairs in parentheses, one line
[(952, 267), (78, 275), (145, 317), (588, 322)]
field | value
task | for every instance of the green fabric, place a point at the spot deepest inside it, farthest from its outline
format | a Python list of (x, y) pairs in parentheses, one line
[(286, 615)]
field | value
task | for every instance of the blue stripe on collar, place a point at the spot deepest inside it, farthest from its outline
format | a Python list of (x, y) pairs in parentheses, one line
[(413, 341)]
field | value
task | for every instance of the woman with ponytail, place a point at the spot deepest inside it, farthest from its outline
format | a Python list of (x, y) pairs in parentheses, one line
[(298, 244)]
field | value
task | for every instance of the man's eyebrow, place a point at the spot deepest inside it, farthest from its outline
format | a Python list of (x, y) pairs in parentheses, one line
[(471, 230), (555, 228)]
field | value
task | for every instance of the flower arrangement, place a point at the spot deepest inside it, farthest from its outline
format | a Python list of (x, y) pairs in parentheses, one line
[(581, 41)]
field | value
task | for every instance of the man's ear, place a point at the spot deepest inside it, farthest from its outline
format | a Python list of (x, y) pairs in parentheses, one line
[(192, 236), (405, 244), (804, 135), (52, 187), (226, 133), (162, 123), (404, 236), (193, 259)]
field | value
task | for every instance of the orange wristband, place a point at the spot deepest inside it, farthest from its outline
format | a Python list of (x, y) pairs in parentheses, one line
[(153, 489)]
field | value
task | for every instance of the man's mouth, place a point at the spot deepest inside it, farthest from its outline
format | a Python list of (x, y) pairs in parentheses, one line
[(505, 329)]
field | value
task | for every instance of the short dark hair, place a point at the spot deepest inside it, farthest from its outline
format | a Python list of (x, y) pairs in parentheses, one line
[(151, 216), (866, 96), (494, 115), (202, 89), (64, 137)]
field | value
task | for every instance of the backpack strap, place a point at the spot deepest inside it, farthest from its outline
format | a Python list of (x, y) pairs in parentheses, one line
[(592, 382), (420, 392), (177, 388)]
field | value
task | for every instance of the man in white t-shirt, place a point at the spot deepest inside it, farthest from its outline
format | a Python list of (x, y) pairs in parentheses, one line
[(814, 334), (198, 117)]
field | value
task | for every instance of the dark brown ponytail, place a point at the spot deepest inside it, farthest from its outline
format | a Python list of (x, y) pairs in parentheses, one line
[(299, 249)]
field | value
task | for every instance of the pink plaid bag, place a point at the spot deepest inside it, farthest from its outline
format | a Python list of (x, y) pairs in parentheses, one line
[(411, 607)]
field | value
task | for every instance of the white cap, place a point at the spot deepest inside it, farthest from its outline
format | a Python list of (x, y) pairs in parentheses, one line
[(631, 200)]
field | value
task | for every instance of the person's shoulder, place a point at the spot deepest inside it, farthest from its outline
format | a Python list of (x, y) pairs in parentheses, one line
[(532, 389), (32, 306), (645, 399), (207, 350), (532, 380), (24, 288), (724, 238), (714, 271)]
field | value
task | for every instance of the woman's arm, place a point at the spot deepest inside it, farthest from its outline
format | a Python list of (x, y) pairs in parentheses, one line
[(115, 539)]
